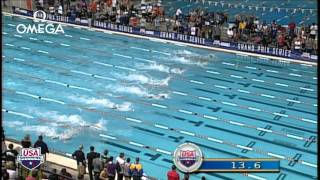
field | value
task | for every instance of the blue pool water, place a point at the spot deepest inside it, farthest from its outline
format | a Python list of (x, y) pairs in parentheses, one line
[(283, 17), (145, 98)]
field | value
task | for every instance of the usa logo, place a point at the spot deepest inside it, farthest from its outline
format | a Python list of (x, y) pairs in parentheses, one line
[(30, 158), (188, 157)]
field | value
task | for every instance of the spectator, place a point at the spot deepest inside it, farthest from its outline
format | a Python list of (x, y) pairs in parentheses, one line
[(4, 174), (33, 176), (104, 174), (97, 166), (53, 175), (230, 34), (80, 157), (105, 158), (292, 27), (126, 170), (11, 170), (186, 176), (120, 165), (281, 41), (111, 168), (313, 31), (90, 156), (26, 142), (297, 44), (44, 148), (65, 175), (11, 157), (136, 170), (178, 13), (173, 175), (3, 142)]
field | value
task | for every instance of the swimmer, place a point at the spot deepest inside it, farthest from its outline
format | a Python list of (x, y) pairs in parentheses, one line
[(177, 70), (114, 106), (159, 96)]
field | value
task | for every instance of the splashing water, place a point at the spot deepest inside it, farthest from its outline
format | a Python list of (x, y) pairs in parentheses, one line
[(126, 106)]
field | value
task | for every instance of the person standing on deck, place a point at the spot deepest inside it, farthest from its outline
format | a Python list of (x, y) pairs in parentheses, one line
[(90, 156), (80, 157)]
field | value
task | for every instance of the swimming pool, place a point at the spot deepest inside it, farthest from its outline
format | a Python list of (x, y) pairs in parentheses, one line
[(144, 98)]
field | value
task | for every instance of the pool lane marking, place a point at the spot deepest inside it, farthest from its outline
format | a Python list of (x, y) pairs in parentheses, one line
[(297, 75), (125, 68), (269, 70), (159, 105), (16, 35), (25, 48), (272, 71), (18, 59), (46, 41), (140, 145), (196, 135), (121, 55), (146, 60), (179, 93), (17, 113), (243, 107), (213, 72), (280, 84), (255, 177), (268, 96), (86, 39), (229, 103), (141, 49), (39, 97), (250, 67), (205, 98), (229, 64), (44, 52), (219, 86), (232, 144), (187, 133), (161, 126), (185, 111), (236, 76), (66, 45), (160, 52), (196, 82), (307, 89), (133, 120), (107, 136), (258, 80), (136, 144), (104, 64), (125, 56)]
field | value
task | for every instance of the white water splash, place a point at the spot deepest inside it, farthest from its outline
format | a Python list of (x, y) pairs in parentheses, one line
[(13, 124), (161, 68), (190, 58), (126, 106), (143, 79), (137, 90)]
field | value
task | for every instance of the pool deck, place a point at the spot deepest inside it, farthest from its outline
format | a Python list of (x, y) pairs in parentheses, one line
[(240, 53)]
